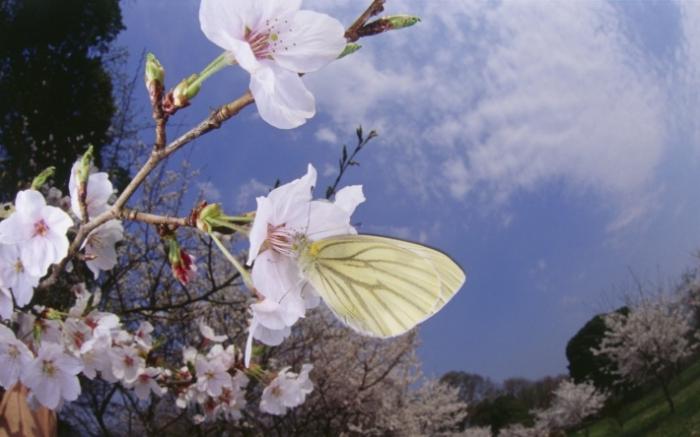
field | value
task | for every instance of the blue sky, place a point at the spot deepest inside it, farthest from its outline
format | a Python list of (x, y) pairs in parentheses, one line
[(550, 147)]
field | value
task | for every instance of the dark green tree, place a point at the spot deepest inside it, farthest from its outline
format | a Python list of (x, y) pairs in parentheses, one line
[(55, 92), (499, 413), (472, 387), (583, 364)]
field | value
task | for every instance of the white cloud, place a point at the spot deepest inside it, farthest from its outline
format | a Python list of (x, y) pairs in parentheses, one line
[(247, 193), (209, 191), (494, 98), (326, 135)]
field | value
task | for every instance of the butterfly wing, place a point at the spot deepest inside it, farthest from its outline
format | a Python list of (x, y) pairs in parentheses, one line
[(380, 286), (451, 275)]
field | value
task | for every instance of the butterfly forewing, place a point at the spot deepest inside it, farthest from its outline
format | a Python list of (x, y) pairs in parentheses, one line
[(380, 286), (451, 275)]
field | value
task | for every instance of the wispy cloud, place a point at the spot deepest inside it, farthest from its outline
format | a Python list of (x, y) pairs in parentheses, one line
[(248, 192), (496, 98)]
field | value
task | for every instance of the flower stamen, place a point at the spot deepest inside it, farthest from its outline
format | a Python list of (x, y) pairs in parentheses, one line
[(281, 239), (40, 228)]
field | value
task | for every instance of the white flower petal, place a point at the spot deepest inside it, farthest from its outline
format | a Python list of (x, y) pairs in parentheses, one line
[(6, 305), (281, 97), (327, 219), (70, 388), (14, 230), (258, 232), (270, 9), (314, 40), (271, 337), (29, 202), (276, 276), (349, 198), (269, 313), (221, 20)]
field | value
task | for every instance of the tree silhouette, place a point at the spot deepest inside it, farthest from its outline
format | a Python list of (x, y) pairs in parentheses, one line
[(55, 92)]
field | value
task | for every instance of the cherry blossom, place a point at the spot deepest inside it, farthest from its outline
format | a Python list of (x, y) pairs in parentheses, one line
[(287, 390), (126, 363), (145, 383), (100, 251), (99, 190), (14, 356), (208, 333), (14, 276), (275, 41), (38, 229), (212, 370), (52, 376)]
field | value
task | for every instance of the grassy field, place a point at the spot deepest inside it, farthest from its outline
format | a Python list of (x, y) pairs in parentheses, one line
[(650, 415)]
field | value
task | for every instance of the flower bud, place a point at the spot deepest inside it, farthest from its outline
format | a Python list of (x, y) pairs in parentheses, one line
[(185, 91), (181, 262), (40, 180), (204, 217), (350, 48), (154, 73), (401, 21), (384, 24), (85, 165)]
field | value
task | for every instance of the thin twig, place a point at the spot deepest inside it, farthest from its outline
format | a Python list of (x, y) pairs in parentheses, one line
[(352, 33)]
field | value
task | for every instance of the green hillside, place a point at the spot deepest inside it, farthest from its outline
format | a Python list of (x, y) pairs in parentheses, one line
[(650, 415)]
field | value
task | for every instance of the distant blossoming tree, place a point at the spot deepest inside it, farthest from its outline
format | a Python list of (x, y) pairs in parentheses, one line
[(571, 405), (649, 343)]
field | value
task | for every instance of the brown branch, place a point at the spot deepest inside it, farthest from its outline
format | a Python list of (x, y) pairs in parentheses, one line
[(352, 34), (153, 219), (212, 122)]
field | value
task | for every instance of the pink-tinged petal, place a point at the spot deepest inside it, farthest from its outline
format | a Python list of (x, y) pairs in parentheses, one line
[(349, 198), (99, 190), (258, 232), (29, 203), (6, 333), (23, 289), (15, 229), (68, 364), (313, 41), (249, 343), (57, 220), (70, 387), (37, 256), (271, 337), (6, 305), (294, 308), (272, 9), (244, 56), (275, 275), (222, 20), (281, 97), (310, 296), (47, 392), (328, 219), (269, 313)]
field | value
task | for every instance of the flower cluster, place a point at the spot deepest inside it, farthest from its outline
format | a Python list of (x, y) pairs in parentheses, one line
[(93, 343), (284, 218), (34, 237), (274, 41)]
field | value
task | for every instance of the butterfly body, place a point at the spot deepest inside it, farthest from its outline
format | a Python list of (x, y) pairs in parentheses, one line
[(379, 286)]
